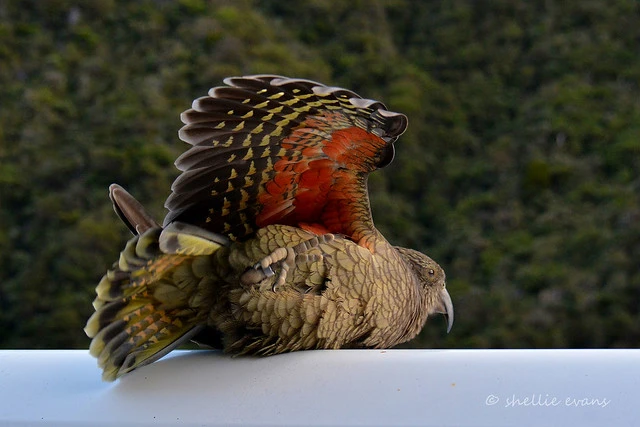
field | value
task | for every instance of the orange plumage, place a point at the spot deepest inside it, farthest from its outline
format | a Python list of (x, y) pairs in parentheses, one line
[(293, 151)]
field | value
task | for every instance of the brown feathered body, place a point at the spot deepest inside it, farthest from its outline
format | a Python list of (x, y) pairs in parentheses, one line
[(269, 245)]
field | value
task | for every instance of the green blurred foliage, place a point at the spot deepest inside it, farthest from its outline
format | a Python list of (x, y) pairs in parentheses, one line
[(520, 171)]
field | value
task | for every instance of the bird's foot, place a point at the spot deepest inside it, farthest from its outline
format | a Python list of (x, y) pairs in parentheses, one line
[(286, 257)]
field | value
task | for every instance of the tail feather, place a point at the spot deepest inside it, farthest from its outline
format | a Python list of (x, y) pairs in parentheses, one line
[(151, 301), (130, 211)]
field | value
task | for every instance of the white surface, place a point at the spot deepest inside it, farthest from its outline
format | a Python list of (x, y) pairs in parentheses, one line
[(328, 388)]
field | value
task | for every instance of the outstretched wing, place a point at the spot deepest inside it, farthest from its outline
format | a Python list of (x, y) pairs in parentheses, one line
[(274, 150)]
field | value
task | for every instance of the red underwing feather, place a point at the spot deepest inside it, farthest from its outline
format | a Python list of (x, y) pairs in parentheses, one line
[(268, 149)]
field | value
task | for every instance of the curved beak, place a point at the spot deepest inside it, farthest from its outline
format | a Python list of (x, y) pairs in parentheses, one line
[(445, 306)]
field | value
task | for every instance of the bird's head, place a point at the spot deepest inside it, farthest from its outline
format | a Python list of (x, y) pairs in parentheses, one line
[(432, 279)]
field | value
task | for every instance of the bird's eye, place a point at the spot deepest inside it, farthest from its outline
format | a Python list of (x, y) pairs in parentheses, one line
[(431, 272)]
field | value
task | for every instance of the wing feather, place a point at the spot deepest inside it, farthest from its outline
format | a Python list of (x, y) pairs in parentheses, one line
[(273, 150)]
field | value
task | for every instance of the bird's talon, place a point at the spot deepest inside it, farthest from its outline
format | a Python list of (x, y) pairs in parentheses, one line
[(285, 258), (268, 271)]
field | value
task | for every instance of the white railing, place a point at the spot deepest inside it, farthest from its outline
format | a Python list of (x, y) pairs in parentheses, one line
[(328, 388)]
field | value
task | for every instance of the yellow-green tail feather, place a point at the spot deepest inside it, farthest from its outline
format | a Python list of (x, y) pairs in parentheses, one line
[(151, 301)]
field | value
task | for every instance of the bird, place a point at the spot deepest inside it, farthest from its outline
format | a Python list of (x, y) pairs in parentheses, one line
[(269, 244)]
